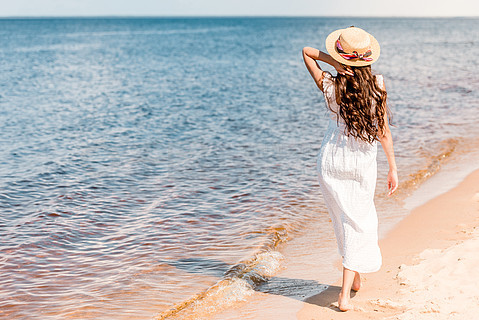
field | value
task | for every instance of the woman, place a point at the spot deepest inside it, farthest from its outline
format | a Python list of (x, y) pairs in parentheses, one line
[(346, 162)]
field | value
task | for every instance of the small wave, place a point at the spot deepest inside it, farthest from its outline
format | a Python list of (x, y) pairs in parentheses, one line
[(130, 33), (57, 47), (237, 283)]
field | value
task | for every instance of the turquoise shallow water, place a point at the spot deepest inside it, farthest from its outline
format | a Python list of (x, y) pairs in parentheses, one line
[(141, 159)]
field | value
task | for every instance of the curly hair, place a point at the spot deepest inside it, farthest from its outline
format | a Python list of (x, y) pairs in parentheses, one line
[(362, 104)]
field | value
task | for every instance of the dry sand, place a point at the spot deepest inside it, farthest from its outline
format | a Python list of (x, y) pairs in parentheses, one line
[(430, 265)]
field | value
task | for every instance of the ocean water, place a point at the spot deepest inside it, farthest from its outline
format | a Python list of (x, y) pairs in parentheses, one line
[(152, 165)]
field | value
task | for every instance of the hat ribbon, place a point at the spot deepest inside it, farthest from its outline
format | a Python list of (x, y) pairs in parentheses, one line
[(354, 54)]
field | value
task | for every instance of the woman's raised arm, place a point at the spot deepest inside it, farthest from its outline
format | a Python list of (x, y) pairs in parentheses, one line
[(310, 55)]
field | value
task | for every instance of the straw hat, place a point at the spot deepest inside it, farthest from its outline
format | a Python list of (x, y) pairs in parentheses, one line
[(353, 47)]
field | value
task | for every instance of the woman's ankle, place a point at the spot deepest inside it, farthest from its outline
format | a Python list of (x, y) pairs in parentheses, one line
[(344, 295)]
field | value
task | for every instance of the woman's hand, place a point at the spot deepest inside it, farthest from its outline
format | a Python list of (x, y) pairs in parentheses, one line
[(342, 69), (392, 181)]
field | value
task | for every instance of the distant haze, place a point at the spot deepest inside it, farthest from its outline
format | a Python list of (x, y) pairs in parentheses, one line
[(413, 8)]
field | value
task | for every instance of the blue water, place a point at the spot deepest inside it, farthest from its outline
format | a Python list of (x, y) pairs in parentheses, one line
[(142, 158)]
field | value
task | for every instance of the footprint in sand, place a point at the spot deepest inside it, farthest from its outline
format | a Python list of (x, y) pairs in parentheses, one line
[(387, 304)]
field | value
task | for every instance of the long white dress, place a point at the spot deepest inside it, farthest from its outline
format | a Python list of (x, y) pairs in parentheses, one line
[(347, 172)]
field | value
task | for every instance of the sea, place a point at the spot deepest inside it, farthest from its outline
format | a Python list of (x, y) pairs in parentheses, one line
[(156, 168)]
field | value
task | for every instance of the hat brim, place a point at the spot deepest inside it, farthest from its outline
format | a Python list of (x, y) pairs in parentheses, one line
[(331, 48)]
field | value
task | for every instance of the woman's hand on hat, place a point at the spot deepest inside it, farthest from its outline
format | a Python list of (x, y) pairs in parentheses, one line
[(342, 69)]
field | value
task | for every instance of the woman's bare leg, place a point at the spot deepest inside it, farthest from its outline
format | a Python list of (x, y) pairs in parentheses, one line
[(345, 294), (357, 282)]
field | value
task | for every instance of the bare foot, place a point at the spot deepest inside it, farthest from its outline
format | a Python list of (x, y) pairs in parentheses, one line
[(344, 304), (357, 282)]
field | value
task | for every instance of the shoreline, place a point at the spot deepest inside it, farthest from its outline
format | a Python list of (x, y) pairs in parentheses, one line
[(310, 263), (420, 256), (310, 275)]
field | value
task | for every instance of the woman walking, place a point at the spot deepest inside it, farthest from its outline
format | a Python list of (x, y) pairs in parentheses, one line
[(346, 163)]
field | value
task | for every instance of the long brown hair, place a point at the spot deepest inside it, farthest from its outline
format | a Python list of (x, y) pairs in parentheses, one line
[(362, 104)]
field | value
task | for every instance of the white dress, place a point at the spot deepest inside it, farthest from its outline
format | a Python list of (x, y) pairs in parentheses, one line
[(347, 172)]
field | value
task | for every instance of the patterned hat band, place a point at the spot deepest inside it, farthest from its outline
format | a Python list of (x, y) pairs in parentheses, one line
[(354, 54)]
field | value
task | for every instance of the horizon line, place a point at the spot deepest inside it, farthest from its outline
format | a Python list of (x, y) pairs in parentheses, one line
[(223, 16)]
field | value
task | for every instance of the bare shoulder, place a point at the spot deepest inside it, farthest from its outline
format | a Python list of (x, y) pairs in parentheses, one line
[(327, 76)]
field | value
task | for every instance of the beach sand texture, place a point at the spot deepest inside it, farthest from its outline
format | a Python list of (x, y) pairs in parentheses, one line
[(429, 265)]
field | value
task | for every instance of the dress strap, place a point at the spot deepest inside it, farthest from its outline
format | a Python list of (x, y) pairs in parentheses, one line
[(380, 80)]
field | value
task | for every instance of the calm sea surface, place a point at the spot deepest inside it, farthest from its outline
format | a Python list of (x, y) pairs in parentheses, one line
[(144, 160)]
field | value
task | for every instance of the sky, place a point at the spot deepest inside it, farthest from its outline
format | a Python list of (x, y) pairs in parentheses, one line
[(441, 8)]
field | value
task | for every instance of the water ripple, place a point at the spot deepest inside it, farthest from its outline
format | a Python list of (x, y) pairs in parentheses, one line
[(144, 161)]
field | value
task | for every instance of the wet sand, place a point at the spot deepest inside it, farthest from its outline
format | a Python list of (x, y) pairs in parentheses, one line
[(429, 265)]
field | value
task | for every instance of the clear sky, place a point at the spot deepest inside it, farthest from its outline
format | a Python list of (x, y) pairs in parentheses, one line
[(239, 7)]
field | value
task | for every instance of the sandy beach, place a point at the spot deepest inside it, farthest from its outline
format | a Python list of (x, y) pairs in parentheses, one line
[(429, 265)]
